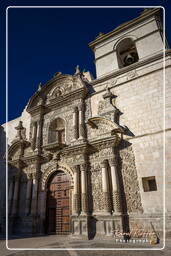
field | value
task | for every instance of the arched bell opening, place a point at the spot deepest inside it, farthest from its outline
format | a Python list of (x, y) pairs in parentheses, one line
[(58, 204), (126, 52)]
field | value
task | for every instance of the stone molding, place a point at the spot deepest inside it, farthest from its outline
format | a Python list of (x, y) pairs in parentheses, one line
[(54, 168)]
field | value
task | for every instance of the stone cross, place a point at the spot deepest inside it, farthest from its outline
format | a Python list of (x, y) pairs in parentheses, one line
[(20, 129)]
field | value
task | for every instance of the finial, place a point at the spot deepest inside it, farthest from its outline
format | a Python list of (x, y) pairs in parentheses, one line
[(100, 34), (39, 86), (77, 70), (57, 74)]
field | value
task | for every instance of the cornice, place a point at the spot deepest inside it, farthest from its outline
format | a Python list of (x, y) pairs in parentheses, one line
[(37, 110), (131, 67), (67, 99), (124, 26), (112, 141)]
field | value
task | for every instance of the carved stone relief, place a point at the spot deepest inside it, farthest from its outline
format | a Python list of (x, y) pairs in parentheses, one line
[(101, 131), (88, 113), (130, 180), (98, 199)]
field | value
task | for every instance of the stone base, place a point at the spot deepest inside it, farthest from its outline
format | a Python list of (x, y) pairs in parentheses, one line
[(79, 225), (106, 225)]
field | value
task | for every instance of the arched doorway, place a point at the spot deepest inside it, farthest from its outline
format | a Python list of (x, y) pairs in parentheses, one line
[(57, 206)]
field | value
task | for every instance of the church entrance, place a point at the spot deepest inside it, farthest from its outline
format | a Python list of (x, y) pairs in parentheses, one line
[(58, 219)]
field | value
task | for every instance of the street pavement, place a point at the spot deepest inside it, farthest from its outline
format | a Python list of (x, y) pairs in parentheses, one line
[(47, 245)]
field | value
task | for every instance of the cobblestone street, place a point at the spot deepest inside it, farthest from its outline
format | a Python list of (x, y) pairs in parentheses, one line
[(53, 242)]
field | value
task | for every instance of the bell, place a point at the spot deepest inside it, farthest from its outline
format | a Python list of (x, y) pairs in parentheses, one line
[(129, 59)]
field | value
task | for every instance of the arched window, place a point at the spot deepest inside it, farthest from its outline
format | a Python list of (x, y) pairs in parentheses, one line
[(57, 131), (126, 53)]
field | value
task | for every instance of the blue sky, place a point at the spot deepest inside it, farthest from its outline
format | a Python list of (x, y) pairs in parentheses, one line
[(44, 41)]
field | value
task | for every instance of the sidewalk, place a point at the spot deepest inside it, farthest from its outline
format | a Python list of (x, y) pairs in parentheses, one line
[(97, 247)]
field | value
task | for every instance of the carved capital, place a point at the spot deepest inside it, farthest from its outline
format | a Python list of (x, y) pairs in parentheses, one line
[(113, 161), (29, 176), (75, 109), (76, 168), (81, 107), (35, 176), (83, 167), (104, 163)]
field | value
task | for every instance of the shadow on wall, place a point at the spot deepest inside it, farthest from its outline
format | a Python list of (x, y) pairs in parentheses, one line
[(2, 179)]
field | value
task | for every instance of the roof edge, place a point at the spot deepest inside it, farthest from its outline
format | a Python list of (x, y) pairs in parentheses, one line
[(126, 25)]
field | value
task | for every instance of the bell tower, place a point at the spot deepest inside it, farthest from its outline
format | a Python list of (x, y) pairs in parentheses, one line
[(129, 44)]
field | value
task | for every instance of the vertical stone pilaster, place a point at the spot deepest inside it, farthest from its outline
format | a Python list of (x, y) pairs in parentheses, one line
[(115, 186), (42, 199), (105, 187), (28, 194), (16, 195), (34, 135), (76, 194), (75, 123), (82, 133), (39, 134), (10, 196), (34, 194), (84, 196)]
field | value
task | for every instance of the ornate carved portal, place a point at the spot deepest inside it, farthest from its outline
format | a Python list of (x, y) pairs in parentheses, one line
[(57, 207)]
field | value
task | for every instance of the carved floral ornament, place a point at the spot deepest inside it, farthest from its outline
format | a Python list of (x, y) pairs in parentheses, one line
[(59, 86), (51, 169), (65, 87)]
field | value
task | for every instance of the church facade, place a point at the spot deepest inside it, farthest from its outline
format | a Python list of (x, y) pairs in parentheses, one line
[(86, 157)]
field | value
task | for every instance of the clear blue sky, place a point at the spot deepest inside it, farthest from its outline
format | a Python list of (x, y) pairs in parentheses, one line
[(44, 41)]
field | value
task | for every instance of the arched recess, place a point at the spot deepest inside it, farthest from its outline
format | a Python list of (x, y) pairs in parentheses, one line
[(51, 169), (126, 51), (56, 131)]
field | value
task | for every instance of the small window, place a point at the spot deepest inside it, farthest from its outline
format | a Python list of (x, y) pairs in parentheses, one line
[(149, 184)]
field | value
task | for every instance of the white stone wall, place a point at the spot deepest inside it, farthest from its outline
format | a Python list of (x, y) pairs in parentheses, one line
[(10, 130), (141, 100), (143, 34)]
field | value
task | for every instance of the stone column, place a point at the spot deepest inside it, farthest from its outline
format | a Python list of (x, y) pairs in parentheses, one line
[(115, 186), (42, 199), (84, 196), (39, 134), (75, 123), (34, 194), (81, 121), (76, 194), (34, 135), (10, 196), (105, 187), (16, 196), (28, 194)]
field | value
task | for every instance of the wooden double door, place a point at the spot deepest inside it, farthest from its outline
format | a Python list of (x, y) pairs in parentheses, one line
[(58, 211)]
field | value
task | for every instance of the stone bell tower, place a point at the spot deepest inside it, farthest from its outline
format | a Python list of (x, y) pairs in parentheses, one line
[(129, 61), (133, 42)]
